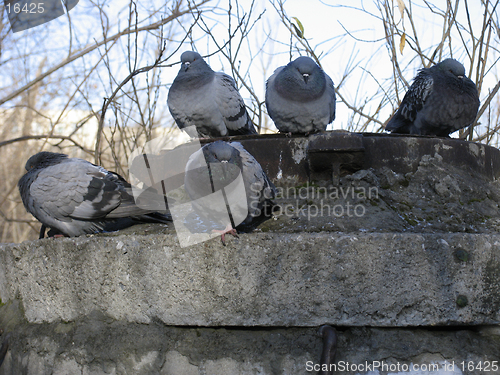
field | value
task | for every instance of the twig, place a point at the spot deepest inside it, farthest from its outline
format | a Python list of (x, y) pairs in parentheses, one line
[(93, 47), (46, 136)]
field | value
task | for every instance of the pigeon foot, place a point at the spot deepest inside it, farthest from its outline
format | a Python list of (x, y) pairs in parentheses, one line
[(227, 230)]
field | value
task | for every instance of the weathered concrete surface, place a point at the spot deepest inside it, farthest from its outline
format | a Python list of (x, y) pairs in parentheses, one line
[(260, 279), (291, 161), (436, 198), (100, 345)]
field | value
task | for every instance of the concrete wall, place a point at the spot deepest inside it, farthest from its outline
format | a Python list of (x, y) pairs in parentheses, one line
[(138, 304), (260, 279)]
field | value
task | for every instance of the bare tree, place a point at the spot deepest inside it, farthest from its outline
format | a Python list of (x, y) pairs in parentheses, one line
[(53, 91)]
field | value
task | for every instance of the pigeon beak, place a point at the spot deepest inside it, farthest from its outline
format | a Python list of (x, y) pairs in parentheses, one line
[(225, 168), (306, 77), (185, 65), (460, 77)]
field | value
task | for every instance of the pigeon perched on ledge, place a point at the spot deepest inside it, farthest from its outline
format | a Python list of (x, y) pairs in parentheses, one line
[(217, 167), (208, 100), (441, 100), (300, 97), (75, 197)]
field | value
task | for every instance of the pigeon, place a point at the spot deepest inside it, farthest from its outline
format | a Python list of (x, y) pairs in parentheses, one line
[(300, 97), (440, 100), (207, 100), (217, 167), (74, 197)]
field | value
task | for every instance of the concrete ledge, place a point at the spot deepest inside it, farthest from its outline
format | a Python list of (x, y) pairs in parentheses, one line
[(289, 161), (260, 279)]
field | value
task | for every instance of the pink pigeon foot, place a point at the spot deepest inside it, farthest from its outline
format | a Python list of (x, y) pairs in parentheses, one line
[(227, 230)]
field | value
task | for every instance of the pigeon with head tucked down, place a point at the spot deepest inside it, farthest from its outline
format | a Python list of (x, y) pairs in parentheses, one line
[(300, 97), (207, 100), (248, 192), (440, 100), (74, 197)]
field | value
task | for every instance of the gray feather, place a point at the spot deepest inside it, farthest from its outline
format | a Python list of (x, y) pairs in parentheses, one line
[(300, 97), (208, 100), (75, 197), (440, 100)]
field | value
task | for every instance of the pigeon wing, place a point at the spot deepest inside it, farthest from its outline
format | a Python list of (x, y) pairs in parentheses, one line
[(413, 101), (330, 90), (75, 190), (232, 106)]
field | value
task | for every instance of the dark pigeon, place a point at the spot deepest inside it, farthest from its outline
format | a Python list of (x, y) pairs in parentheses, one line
[(208, 100), (300, 97), (441, 100), (227, 161), (75, 197)]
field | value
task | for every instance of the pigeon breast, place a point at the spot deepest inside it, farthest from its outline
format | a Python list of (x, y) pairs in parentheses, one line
[(300, 97)]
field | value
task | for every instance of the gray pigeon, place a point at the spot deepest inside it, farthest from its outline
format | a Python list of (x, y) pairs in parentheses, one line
[(300, 97), (217, 167), (440, 101), (208, 100), (74, 197)]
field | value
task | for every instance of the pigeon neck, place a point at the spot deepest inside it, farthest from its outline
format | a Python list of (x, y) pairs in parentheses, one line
[(293, 86), (195, 78)]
